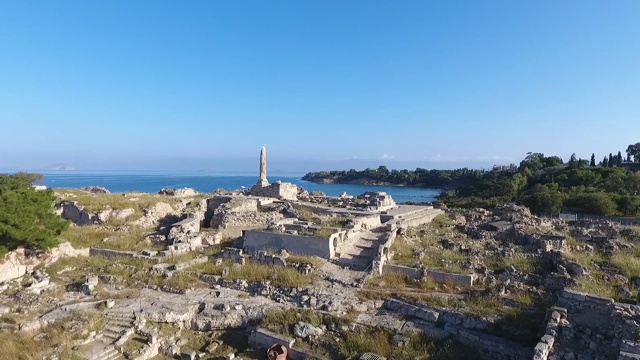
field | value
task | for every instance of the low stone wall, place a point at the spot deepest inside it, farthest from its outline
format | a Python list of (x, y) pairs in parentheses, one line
[(545, 345), (108, 253), (437, 276), (465, 329), (409, 272), (295, 244), (453, 279), (190, 263)]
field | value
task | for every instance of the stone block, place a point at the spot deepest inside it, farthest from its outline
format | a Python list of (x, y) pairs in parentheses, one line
[(263, 339), (426, 314), (599, 299), (541, 350), (451, 328), (392, 304), (575, 295), (548, 339)]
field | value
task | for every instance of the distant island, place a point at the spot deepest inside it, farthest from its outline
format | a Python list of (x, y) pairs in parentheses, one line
[(545, 184), (61, 167)]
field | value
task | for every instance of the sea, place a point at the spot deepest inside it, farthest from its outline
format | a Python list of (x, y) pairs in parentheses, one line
[(154, 182)]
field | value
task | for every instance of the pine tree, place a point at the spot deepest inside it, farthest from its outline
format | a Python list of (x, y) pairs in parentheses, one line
[(593, 160)]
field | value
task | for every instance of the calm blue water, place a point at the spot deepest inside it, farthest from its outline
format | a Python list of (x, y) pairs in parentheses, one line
[(152, 183)]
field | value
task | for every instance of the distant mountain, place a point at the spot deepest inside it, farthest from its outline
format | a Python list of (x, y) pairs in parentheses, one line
[(61, 167)]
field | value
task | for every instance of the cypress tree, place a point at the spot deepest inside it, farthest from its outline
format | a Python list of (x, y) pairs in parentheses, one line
[(619, 160), (593, 160)]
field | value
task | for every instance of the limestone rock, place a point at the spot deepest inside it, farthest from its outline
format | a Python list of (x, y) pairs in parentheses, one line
[(576, 269), (96, 190), (304, 330), (152, 215), (185, 192), (185, 231), (122, 214), (13, 266), (72, 211)]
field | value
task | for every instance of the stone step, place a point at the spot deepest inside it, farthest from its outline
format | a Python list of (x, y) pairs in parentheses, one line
[(358, 256), (122, 315), (366, 249), (110, 336), (120, 322), (108, 353)]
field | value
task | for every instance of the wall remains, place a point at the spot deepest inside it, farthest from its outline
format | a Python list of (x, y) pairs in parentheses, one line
[(303, 245), (437, 276), (278, 190), (108, 253), (601, 327)]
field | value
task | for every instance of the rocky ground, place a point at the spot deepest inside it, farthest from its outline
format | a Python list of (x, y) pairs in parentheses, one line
[(184, 299)]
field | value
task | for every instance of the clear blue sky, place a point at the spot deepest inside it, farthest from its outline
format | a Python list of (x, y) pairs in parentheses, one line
[(183, 84)]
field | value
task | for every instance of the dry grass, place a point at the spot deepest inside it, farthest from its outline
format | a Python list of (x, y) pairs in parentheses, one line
[(278, 275), (97, 202), (434, 258), (420, 347), (133, 240), (85, 236), (391, 281), (598, 285), (528, 264), (23, 346), (134, 345), (282, 321), (301, 259), (179, 280), (130, 271), (627, 262)]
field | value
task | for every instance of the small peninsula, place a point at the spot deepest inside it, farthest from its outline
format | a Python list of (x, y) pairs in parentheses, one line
[(544, 184)]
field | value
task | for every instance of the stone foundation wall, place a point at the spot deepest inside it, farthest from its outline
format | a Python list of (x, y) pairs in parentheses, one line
[(303, 245), (266, 259), (279, 190), (601, 327), (552, 245)]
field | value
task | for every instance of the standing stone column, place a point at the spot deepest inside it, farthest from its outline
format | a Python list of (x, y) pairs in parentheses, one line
[(263, 167)]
